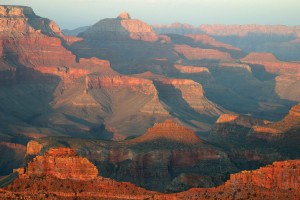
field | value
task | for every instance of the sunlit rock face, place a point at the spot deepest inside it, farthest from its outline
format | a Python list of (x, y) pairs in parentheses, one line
[(277, 181), (121, 28), (61, 163), (169, 130)]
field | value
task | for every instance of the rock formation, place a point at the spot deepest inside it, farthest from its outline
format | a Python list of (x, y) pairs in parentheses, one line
[(271, 64), (276, 130), (278, 39), (154, 160), (191, 92), (61, 163), (84, 88), (118, 82), (277, 181), (241, 120), (191, 69), (169, 130), (121, 28)]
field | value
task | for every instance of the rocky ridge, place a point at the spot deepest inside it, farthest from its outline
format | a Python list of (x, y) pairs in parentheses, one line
[(276, 130), (121, 28), (271, 63), (279, 180), (169, 130), (200, 53)]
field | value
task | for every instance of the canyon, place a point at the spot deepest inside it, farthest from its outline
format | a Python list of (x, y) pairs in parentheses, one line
[(126, 110)]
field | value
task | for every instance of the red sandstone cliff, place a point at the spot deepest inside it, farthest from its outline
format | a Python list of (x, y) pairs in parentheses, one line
[(61, 163), (277, 181)]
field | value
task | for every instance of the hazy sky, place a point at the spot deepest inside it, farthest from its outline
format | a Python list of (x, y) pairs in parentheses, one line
[(75, 13)]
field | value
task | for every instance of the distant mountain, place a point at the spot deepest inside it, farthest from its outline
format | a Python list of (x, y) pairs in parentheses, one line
[(259, 38), (76, 31)]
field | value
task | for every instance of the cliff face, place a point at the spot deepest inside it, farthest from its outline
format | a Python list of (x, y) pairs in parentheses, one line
[(241, 120), (271, 63), (37, 52), (277, 181), (35, 42), (282, 175), (191, 92), (33, 148), (277, 129), (59, 173), (61, 163), (22, 19), (154, 160), (118, 82)]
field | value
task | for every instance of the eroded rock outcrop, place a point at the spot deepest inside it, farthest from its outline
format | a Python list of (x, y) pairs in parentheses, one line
[(61, 163), (242, 120), (169, 130), (277, 181), (275, 130), (191, 69), (281, 175), (154, 160), (33, 148), (37, 43), (191, 92), (139, 86), (118, 82), (17, 20)]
